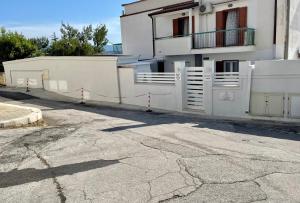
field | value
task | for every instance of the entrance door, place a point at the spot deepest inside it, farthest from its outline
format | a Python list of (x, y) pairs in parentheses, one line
[(194, 88)]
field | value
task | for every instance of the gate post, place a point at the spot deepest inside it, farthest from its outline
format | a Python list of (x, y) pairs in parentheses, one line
[(179, 67), (209, 70)]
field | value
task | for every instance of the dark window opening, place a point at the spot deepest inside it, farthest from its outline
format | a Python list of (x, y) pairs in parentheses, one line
[(227, 66), (181, 26), (160, 66), (198, 60)]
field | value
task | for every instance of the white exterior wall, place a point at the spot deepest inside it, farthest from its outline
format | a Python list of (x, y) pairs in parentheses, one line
[(229, 101), (168, 97), (276, 76), (136, 27), (137, 35), (67, 75), (170, 61), (294, 37), (294, 29), (260, 17), (280, 79), (148, 5)]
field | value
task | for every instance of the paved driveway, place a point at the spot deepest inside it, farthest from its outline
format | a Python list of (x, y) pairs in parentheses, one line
[(87, 154)]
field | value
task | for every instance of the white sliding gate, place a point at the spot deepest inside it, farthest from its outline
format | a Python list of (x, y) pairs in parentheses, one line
[(195, 88)]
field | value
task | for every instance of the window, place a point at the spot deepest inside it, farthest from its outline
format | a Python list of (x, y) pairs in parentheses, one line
[(181, 26), (227, 66), (231, 20), (160, 66), (231, 66)]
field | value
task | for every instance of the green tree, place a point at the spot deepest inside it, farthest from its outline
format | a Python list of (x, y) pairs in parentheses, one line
[(15, 46), (42, 44), (75, 42), (99, 38)]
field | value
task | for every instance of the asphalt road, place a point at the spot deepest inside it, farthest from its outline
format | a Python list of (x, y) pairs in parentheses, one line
[(89, 154)]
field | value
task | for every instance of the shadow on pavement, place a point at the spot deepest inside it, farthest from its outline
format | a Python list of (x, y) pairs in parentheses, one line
[(257, 128), (19, 177)]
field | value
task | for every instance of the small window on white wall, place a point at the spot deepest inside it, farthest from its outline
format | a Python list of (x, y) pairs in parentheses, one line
[(231, 66)]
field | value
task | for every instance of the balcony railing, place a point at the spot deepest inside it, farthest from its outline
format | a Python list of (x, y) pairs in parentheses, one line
[(224, 38)]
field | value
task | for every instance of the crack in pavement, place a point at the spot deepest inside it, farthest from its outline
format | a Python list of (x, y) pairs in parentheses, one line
[(54, 178), (176, 196)]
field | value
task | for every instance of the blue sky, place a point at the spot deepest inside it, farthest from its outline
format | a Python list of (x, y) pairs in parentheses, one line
[(43, 17)]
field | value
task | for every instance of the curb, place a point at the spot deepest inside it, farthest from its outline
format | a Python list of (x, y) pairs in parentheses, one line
[(34, 116)]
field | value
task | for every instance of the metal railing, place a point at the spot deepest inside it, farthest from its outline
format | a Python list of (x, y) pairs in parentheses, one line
[(231, 79), (161, 78), (224, 38)]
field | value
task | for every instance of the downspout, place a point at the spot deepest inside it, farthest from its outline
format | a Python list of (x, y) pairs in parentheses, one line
[(153, 36), (119, 82), (287, 30)]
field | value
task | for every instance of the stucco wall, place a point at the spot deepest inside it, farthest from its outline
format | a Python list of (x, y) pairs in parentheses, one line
[(163, 96), (260, 17), (67, 75), (236, 101), (148, 5), (276, 76), (137, 35), (294, 39)]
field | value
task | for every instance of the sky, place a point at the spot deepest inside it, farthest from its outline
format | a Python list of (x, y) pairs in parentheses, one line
[(35, 18)]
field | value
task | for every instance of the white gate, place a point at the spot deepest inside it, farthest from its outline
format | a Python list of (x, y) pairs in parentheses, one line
[(194, 88)]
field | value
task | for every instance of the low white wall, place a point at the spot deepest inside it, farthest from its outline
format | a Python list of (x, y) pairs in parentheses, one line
[(173, 46), (163, 96), (233, 101), (67, 75), (276, 76)]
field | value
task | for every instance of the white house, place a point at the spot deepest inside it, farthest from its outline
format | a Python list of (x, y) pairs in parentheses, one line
[(227, 31)]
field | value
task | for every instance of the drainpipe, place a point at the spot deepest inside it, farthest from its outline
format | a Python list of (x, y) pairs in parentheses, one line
[(287, 30), (191, 28), (153, 34)]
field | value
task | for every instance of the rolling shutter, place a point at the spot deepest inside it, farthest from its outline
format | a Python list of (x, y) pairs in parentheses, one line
[(220, 25), (175, 28), (242, 24)]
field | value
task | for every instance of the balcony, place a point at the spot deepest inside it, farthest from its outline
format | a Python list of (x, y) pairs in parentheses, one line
[(214, 42), (179, 45), (224, 38)]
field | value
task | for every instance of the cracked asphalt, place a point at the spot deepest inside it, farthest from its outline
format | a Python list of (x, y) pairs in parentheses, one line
[(102, 154)]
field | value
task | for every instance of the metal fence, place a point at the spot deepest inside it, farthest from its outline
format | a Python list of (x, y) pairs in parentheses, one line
[(227, 79), (162, 78), (224, 38)]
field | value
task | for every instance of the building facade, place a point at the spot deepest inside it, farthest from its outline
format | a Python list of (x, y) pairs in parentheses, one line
[(226, 31)]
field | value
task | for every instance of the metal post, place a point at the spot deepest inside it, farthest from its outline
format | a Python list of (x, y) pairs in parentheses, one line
[(27, 85), (149, 103), (82, 96)]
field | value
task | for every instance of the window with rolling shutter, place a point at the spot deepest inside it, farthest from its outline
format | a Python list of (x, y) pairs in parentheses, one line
[(175, 27), (220, 25), (221, 19), (181, 26), (242, 24)]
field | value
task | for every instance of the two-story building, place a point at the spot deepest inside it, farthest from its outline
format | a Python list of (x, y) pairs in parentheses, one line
[(227, 31)]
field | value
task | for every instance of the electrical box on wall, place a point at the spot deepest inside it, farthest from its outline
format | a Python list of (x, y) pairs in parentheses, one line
[(294, 110), (267, 104)]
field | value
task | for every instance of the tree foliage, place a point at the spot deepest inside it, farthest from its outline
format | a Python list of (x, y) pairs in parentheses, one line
[(73, 42), (99, 38), (15, 46), (76, 42)]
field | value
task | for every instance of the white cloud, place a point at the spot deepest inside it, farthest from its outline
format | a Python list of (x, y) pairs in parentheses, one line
[(47, 30)]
